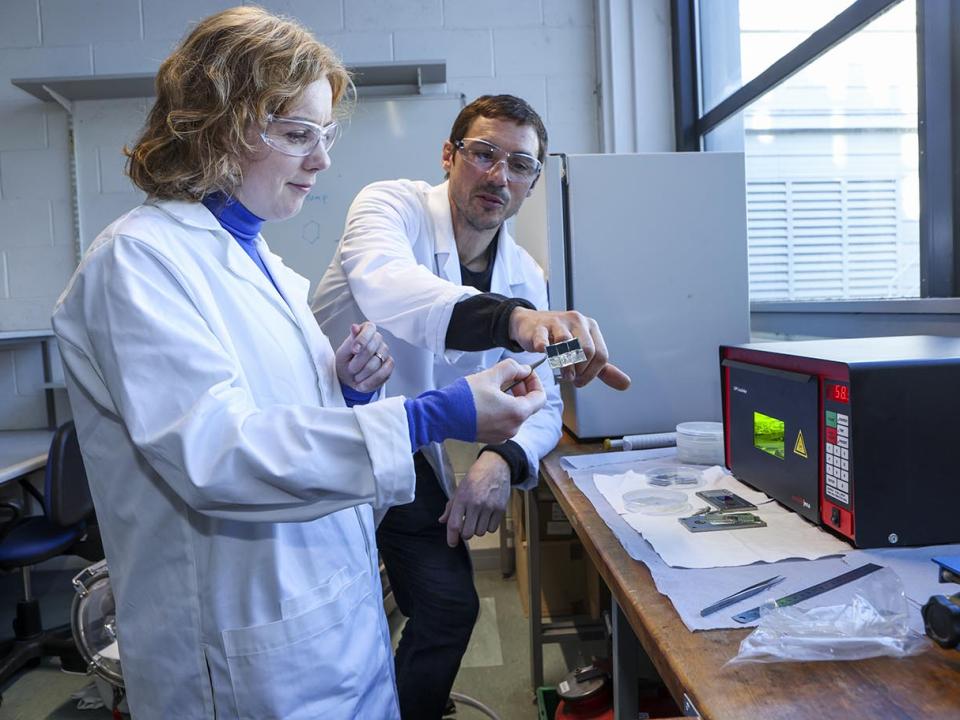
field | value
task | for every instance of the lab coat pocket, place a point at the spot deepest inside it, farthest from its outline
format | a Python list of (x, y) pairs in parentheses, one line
[(320, 595), (315, 664)]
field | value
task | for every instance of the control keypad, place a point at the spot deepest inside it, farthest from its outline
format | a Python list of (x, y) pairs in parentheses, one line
[(837, 456)]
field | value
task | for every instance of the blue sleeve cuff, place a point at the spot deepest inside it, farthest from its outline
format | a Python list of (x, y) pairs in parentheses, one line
[(355, 397), (437, 415)]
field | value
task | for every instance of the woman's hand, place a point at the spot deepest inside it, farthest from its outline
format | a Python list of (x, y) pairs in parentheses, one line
[(500, 414), (363, 359)]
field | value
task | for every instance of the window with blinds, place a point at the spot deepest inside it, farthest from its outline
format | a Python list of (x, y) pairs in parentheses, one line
[(831, 153), (830, 238)]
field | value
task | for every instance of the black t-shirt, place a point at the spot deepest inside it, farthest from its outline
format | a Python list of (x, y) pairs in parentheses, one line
[(482, 322)]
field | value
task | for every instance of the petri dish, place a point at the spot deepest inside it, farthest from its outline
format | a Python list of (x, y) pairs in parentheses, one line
[(654, 501), (676, 476), (700, 443)]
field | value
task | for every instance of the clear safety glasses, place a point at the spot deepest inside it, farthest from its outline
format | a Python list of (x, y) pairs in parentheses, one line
[(298, 137), (521, 167)]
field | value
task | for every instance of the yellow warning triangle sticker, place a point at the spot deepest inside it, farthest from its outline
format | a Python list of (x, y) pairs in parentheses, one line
[(800, 448)]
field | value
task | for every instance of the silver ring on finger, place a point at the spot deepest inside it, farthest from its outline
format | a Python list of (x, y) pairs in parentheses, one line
[(381, 357)]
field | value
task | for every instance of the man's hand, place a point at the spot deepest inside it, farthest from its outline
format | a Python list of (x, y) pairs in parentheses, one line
[(533, 330), (363, 359), (478, 503), (500, 414)]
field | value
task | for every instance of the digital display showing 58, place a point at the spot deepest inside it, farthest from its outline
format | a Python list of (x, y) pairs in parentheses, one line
[(838, 393)]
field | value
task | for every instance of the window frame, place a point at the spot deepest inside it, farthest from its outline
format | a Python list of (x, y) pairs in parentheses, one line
[(938, 121)]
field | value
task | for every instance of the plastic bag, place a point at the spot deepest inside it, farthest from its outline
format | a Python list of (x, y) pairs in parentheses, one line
[(874, 623)]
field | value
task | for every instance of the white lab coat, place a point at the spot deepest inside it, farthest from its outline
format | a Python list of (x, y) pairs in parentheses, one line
[(233, 487), (397, 265)]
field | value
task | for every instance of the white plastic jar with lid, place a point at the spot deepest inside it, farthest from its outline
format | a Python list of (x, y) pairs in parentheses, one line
[(700, 443)]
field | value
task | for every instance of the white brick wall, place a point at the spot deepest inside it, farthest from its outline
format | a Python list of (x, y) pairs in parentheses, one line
[(358, 47), (364, 15), (469, 53), (20, 26), (130, 56), (493, 13), (69, 22), (35, 206), (542, 50), (323, 16)]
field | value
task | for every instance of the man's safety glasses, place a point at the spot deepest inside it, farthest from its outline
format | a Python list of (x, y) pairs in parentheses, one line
[(298, 137), (484, 156)]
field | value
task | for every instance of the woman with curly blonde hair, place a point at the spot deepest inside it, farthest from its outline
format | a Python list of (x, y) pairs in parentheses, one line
[(235, 459)]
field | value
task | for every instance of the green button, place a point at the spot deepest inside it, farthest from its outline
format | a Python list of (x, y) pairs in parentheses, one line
[(831, 418)]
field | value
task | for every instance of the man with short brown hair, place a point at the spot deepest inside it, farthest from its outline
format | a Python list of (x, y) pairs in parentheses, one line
[(438, 272)]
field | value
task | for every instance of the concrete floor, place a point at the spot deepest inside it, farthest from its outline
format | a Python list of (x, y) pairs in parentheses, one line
[(495, 670), (496, 667), (42, 693)]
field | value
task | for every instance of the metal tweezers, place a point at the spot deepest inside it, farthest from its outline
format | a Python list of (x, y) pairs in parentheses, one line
[(533, 367), (742, 595)]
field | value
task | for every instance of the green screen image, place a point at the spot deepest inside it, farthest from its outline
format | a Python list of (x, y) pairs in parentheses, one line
[(768, 434)]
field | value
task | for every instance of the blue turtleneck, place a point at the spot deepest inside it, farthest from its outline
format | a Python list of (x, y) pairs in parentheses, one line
[(241, 223), (435, 415)]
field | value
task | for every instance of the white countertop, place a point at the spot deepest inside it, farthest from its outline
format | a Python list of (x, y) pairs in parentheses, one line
[(22, 451)]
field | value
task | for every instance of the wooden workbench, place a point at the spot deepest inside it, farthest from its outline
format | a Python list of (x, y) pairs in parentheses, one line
[(926, 686)]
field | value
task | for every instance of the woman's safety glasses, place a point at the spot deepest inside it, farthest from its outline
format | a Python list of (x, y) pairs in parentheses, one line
[(521, 168), (298, 137)]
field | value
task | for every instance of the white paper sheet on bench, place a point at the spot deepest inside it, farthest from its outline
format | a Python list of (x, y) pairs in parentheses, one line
[(786, 536), (691, 590)]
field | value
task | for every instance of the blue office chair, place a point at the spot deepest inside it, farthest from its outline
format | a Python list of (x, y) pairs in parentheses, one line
[(67, 527)]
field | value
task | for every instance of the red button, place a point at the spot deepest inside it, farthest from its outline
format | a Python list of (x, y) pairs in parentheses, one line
[(832, 435)]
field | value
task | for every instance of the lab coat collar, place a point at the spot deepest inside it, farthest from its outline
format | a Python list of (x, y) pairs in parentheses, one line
[(507, 271), (444, 243), (293, 287), (196, 215), (188, 212)]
